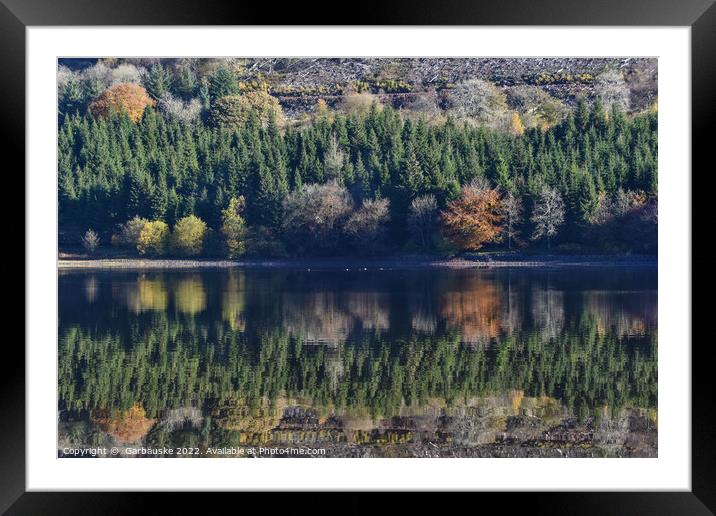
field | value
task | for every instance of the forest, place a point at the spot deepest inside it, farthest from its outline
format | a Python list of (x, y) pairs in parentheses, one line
[(172, 368), (180, 159), (167, 340)]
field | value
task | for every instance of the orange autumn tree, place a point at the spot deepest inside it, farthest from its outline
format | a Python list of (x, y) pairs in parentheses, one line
[(474, 218), (128, 97), (127, 426)]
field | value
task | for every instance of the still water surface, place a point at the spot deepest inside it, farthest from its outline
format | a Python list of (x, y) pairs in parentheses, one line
[(360, 363)]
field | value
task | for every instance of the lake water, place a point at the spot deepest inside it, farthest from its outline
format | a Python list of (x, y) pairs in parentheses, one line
[(359, 363)]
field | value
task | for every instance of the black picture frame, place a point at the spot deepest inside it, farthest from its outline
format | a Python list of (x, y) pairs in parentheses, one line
[(700, 15)]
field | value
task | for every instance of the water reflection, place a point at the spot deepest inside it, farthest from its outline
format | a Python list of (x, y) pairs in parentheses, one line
[(364, 363), (480, 306)]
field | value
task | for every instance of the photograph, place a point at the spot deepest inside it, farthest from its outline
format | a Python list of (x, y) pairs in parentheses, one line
[(425, 248), (357, 257)]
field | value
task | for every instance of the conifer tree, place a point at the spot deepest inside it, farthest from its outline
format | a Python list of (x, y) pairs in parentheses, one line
[(158, 81)]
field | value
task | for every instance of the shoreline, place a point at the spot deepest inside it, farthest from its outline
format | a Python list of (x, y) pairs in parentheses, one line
[(396, 262)]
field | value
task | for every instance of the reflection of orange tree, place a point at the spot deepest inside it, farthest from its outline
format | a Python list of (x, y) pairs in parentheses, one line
[(474, 311), (126, 426)]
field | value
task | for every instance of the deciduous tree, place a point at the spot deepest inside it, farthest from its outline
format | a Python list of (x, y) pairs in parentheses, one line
[(612, 90), (511, 217), (129, 232), (236, 109), (548, 214), (314, 215), (422, 219), (127, 97), (153, 238), (480, 101), (90, 241), (474, 218), (188, 235), (367, 226), (233, 228)]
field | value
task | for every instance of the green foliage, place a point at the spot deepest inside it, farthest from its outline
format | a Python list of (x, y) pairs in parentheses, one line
[(158, 81), (111, 170), (210, 363), (222, 83)]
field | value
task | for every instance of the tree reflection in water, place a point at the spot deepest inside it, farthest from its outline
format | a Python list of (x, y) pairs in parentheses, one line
[(365, 363)]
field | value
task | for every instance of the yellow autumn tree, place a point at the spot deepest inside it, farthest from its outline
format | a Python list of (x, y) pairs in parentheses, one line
[(236, 109), (153, 238), (189, 235), (517, 128), (233, 227)]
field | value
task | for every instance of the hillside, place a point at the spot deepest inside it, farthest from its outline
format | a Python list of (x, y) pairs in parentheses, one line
[(328, 157), (299, 82)]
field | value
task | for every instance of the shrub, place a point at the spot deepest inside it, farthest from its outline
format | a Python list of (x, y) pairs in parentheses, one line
[(359, 103), (189, 235), (127, 97), (425, 103), (90, 241), (517, 128), (153, 238)]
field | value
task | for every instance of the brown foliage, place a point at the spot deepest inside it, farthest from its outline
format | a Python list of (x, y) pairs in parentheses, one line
[(126, 426), (128, 97), (474, 311), (474, 218)]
